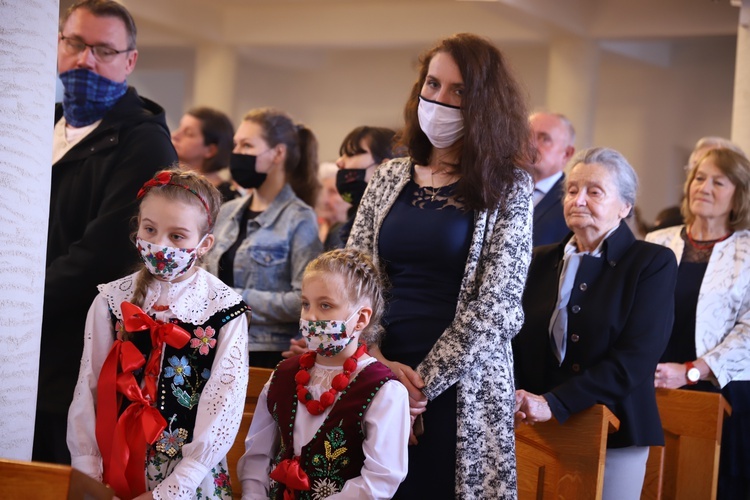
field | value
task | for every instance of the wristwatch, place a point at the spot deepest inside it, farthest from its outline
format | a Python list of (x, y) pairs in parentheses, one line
[(692, 373)]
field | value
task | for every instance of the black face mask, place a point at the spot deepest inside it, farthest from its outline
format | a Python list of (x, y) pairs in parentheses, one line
[(351, 184), (243, 171)]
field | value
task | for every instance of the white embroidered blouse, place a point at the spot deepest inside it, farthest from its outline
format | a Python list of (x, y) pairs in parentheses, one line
[(387, 425), (222, 400)]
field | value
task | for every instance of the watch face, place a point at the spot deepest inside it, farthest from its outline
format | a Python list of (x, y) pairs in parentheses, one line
[(693, 375)]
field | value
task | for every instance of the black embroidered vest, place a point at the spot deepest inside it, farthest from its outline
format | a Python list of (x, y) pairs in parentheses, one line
[(184, 373), (334, 454)]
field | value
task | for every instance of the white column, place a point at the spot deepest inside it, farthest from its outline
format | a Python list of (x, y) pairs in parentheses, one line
[(572, 83), (28, 48), (741, 105), (215, 74)]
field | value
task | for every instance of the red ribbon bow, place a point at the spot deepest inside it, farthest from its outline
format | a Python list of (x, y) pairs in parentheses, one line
[(290, 474), (135, 320), (140, 424), (161, 179)]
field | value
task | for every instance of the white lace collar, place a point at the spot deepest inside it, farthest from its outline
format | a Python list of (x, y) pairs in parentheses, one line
[(193, 301)]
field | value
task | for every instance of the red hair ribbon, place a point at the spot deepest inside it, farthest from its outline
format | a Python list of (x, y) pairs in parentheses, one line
[(164, 178), (290, 474)]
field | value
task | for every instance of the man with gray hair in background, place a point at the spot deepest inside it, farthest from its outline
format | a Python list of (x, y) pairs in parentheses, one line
[(555, 137)]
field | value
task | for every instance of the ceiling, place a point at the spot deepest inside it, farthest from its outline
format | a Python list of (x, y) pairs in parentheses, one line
[(295, 29)]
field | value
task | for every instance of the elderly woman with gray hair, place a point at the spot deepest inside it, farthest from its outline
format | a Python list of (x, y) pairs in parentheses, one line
[(599, 311)]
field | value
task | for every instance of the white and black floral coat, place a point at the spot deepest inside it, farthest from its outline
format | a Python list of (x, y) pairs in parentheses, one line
[(474, 352)]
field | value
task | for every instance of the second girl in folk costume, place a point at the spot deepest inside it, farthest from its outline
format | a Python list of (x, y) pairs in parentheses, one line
[(332, 422), (165, 356)]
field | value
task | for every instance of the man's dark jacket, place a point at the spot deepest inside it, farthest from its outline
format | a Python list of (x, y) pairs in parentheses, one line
[(92, 202), (549, 221)]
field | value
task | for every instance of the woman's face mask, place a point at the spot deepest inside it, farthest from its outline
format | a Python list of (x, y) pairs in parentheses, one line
[(244, 171), (441, 123)]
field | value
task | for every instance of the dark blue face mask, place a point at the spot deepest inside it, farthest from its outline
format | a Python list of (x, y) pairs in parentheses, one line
[(88, 96), (244, 173)]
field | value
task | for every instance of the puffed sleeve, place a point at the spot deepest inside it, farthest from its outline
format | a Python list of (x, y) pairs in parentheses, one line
[(492, 314), (219, 414), (387, 426), (81, 433)]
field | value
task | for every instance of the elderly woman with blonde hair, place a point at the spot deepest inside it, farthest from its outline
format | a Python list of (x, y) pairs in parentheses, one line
[(709, 348)]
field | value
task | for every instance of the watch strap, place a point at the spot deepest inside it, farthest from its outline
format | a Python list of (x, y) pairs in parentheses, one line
[(689, 365)]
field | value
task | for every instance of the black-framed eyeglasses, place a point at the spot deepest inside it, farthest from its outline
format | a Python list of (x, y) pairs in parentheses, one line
[(102, 53)]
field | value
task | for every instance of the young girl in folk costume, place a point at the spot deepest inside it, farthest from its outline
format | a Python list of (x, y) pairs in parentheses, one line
[(164, 371), (333, 422)]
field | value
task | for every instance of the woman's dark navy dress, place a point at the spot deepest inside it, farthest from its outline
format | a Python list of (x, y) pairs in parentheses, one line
[(423, 245)]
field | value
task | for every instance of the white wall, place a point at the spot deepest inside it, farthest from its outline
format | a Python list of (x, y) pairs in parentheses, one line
[(27, 67), (653, 114)]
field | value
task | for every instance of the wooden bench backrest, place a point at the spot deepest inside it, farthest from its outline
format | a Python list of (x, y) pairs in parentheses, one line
[(688, 465), (43, 481), (564, 461), (258, 378)]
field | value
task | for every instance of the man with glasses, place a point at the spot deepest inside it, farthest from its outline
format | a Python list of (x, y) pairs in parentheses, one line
[(107, 142)]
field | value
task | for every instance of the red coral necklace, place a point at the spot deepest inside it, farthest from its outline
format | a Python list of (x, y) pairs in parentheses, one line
[(338, 384), (707, 245)]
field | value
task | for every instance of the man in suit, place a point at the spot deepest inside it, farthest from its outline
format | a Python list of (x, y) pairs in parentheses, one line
[(107, 142), (554, 135)]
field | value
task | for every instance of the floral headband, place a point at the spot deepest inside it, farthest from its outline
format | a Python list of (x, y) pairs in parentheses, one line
[(165, 179)]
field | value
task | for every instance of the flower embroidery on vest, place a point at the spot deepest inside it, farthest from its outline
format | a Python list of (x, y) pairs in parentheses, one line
[(204, 340), (172, 440), (179, 369), (323, 488)]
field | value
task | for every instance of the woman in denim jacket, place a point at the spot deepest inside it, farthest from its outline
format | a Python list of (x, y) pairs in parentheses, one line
[(265, 240)]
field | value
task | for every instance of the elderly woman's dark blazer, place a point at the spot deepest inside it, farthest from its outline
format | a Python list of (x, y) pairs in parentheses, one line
[(620, 317)]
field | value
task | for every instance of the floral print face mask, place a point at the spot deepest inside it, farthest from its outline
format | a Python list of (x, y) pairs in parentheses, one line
[(327, 337), (167, 263)]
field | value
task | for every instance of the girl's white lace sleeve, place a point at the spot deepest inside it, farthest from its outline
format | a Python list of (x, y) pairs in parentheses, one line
[(219, 414), (81, 434)]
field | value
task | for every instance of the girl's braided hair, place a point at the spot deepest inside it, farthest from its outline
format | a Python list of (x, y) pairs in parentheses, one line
[(361, 280)]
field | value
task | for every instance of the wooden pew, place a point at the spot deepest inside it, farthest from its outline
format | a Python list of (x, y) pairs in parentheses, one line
[(43, 481), (688, 465), (236, 452), (564, 462), (258, 378)]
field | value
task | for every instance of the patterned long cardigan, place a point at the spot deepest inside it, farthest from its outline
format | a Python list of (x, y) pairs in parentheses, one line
[(474, 352)]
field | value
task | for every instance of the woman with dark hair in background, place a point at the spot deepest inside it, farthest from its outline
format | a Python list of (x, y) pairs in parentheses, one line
[(450, 225), (265, 240), (362, 150), (203, 143)]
